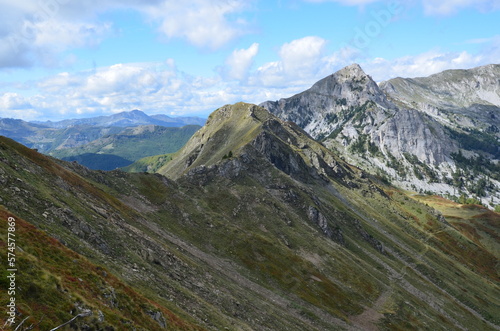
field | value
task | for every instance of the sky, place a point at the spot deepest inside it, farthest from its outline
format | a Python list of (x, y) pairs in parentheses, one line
[(81, 58)]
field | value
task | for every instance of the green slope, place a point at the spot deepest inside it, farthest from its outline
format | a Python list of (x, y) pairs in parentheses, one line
[(149, 164), (277, 179), (120, 150)]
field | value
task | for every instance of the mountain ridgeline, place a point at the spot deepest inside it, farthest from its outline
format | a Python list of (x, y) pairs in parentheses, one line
[(435, 134), (125, 119), (51, 136), (105, 142), (252, 225)]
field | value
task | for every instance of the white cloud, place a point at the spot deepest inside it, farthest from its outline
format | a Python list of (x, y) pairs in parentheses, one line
[(269, 74), (239, 62), (448, 7), (204, 23), (301, 56), (13, 105), (13, 101), (300, 60), (33, 37), (55, 83), (117, 78), (36, 32), (426, 64)]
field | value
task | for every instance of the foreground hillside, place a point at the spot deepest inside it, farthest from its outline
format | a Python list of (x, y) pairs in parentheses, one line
[(254, 225), (55, 285)]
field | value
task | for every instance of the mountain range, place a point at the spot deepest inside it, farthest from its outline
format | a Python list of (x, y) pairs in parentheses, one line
[(252, 225), (50, 136), (273, 217), (125, 119), (438, 134), (435, 134), (131, 144), (104, 142)]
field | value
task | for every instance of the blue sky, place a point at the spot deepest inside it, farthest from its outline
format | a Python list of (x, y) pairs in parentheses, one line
[(68, 58)]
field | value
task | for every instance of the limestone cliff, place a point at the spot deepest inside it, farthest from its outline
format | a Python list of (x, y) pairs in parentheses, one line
[(422, 133)]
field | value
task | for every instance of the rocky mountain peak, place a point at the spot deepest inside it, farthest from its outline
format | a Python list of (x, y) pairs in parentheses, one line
[(351, 72), (240, 110), (410, 129), (352, 84), (332, 101)]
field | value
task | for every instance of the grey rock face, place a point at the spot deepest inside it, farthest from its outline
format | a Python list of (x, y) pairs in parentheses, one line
[(330, 98), (410, 131), (450, 89), (458, 98), (407, 129), (158, 317)]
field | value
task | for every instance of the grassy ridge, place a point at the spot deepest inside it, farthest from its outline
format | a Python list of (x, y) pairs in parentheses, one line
[(228, 129)]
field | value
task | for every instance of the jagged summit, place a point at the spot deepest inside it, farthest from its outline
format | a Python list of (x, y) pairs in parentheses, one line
[(352, 84), (332, 101), (350, 72)]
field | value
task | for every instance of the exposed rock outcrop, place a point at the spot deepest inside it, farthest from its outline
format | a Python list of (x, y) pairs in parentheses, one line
[(409, 130)]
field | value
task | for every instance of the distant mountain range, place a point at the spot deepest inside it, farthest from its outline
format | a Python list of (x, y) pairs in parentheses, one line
[(49, 136), (434, 134), (125, 119), (104, 142), (131, 144)]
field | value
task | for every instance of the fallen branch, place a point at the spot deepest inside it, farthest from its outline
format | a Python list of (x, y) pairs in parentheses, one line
[(84, 314), (21, 323)]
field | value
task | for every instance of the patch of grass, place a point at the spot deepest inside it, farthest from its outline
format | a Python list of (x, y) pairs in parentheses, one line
[(149, 164)]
